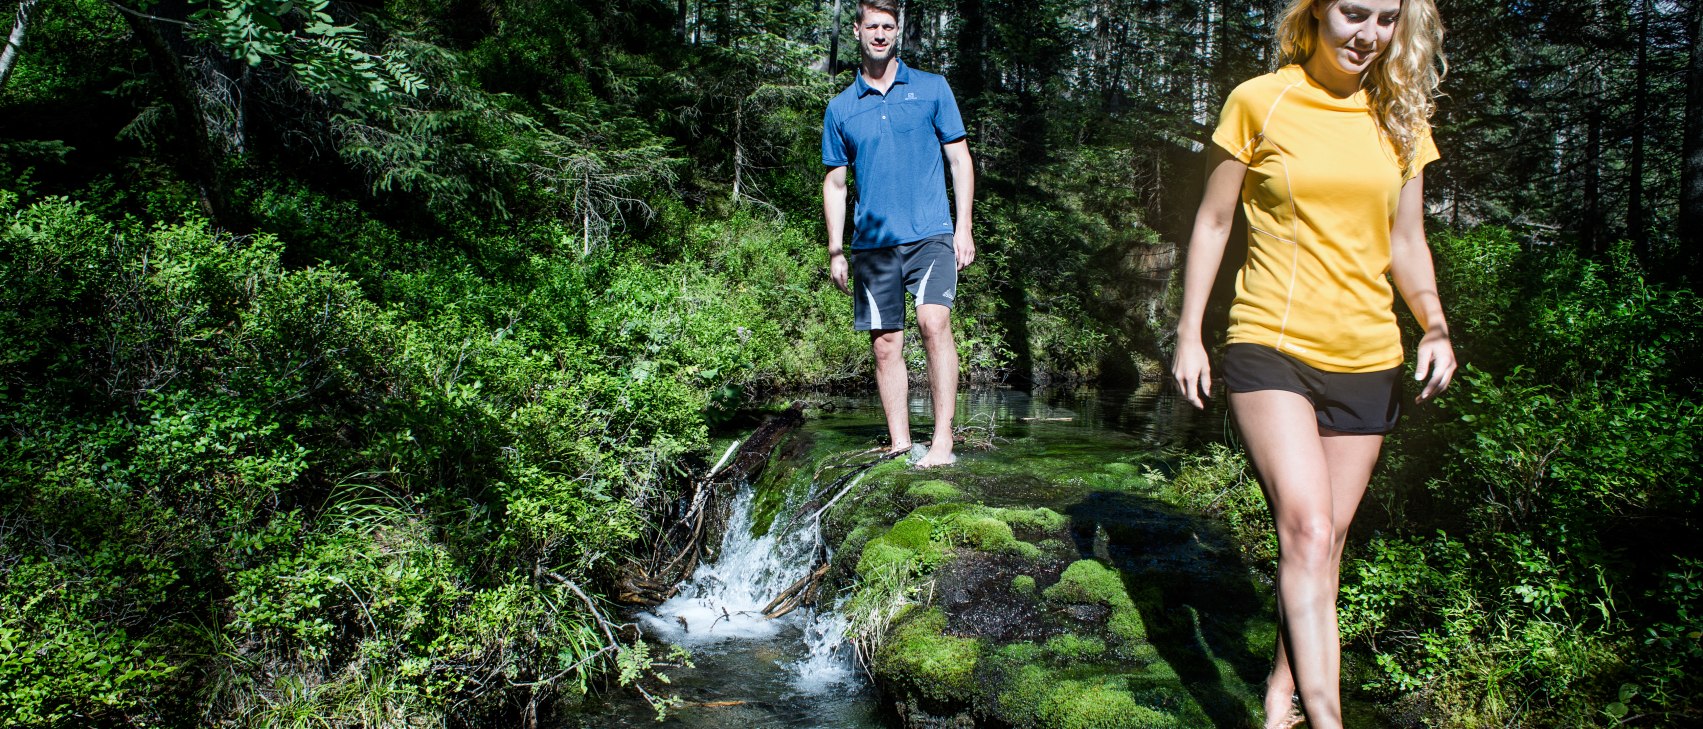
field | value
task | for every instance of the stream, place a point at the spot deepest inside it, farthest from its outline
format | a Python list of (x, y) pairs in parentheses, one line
[(1049, 449)]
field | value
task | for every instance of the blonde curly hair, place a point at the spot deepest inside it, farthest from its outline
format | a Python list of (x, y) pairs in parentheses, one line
[(1402, 82)]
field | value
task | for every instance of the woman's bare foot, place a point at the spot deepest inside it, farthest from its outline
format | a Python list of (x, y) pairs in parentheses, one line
[(1282, 711)]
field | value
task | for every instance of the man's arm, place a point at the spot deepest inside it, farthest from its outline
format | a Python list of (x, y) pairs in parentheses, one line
[(963, 197), (834, 213)]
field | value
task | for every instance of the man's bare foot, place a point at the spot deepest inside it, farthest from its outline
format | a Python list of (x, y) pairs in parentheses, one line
[(939, 455)]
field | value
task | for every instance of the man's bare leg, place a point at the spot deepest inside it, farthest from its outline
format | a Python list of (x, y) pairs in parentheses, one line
[(935, 321), (893, 384)]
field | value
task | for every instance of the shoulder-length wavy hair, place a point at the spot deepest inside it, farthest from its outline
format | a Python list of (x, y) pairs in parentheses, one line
[(1401, 84)]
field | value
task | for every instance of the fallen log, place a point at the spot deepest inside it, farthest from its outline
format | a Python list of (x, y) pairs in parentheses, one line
[(794, 595), (754, 453), (680, 544)]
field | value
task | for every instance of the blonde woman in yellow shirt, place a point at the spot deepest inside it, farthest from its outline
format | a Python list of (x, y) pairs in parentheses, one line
[(1326, 157)]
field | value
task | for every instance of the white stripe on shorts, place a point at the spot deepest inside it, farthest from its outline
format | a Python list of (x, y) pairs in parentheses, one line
[(874, 311)]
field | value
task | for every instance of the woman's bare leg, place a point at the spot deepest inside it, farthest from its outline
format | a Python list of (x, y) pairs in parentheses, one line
[(1313, 482)]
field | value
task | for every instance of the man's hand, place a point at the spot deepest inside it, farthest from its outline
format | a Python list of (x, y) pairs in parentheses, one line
[(964, 246), (838, 270)]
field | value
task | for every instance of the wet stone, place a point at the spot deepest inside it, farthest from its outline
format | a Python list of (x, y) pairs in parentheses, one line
[(1094, 614), (975, 592)]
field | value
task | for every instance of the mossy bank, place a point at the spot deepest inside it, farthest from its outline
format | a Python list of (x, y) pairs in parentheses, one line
[(1045, 584)]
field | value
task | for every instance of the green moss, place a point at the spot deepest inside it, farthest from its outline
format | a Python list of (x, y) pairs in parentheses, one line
[(1072, 647), (1041, 520), (1083, 705), (1122, 469), (1019, 701), (985, 532), (880, 556), (1088, 581), (929, 663), (934, 490), (777, 482), (1024, 652), (911, 532), (1127, 626), (1035, 696), (854, 541), (1142, 654), (1023, 585)]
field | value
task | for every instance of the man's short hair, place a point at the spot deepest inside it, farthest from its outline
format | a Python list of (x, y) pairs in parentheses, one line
[(890, 7)]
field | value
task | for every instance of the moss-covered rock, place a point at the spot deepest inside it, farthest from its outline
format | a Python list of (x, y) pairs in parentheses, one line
[(923, 661), (1034, 521), (1035, 696), (1072, 647), (1089, 705), (1023, 585), (934, 490), (1127, 626), (1003, 623), (1122, 469), (913, 533), (1087, 581)]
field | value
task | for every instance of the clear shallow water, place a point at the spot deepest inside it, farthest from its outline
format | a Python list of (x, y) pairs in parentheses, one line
[(1049, 449)]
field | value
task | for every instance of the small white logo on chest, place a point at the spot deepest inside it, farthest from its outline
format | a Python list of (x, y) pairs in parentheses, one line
[(911, 95)]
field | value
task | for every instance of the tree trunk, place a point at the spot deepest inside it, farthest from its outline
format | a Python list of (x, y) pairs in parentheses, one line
[(200, 158), (1635, 227), (969, 78), (1590, 224), (15, 41), (834, 43), (723, 23), (1691, 176)]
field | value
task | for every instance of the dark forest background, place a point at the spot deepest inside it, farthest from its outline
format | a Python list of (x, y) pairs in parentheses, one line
[(351, 351)]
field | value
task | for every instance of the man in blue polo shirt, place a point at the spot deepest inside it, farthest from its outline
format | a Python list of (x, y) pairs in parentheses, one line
[(893, 126)]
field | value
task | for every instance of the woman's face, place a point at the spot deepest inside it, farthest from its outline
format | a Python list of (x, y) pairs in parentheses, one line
[(1352, 33)]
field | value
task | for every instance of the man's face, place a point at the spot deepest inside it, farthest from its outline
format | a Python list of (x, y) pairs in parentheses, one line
[(877, 31)]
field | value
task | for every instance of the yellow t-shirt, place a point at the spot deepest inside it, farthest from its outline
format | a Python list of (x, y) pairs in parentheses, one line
[(1320, 197)]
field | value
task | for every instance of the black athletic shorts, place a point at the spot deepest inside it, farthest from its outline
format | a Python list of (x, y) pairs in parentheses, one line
[(1348, 402), (927, 268)]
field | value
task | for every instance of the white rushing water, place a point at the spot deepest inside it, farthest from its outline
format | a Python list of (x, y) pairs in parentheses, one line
[(720, 608)]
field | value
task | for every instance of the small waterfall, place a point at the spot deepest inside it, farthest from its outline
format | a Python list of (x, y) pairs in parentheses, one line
[(719, 609), (829, 662)]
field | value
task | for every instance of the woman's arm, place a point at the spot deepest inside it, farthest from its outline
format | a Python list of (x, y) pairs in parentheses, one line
[(1206, 252), (1416, 279)]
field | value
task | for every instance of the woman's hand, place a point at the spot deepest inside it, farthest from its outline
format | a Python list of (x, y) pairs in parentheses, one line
[(1434, 365), (1206, 251), (1192, 372)]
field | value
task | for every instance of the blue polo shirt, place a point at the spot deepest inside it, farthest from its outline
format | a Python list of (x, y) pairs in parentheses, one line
[(892, 144)]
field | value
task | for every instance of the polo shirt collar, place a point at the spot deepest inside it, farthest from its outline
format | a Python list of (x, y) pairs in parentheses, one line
[(901, 76)]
